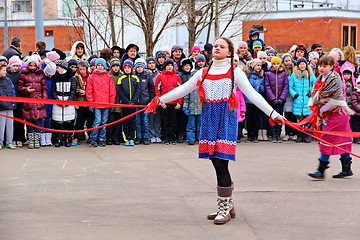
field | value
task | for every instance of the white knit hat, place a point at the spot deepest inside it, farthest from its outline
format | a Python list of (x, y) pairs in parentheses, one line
[(33, 59), (293, 48), (313, 55), (50, 68), (261, 54)]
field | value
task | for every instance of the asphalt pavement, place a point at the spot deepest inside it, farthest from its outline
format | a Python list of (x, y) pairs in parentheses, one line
[(165, 192)]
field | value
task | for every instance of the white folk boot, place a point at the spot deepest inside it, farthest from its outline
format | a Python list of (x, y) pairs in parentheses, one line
[(48, 139), (223, 213), (226, 209), (42, 139)]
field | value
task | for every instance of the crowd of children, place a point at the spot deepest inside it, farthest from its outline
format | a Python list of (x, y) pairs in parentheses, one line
[(285, 81)]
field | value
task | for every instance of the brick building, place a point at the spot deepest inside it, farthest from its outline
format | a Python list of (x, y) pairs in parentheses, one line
[(330, 27), (61, 29)]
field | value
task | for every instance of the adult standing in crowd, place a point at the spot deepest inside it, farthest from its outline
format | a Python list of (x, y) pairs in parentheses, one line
[(207, 52), (14, 49), (316, 47)]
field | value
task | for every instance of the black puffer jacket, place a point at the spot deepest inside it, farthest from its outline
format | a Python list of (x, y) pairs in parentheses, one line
[(146, 88), (7, 90)]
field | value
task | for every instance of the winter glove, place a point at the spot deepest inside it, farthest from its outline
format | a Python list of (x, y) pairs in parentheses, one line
[(296, 96), (186, 111), (278, 102), (91, 109)]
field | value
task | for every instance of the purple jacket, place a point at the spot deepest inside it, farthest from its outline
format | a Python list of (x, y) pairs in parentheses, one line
[(276, 85)]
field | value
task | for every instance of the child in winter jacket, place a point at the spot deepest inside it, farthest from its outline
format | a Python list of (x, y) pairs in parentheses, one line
[(160, 59), (100, 88), (63, 88), (165, 82), (288, 66), (200, 62), (146, 95), (195, 51), (355, 105), (154, 119), (265, 65), (243, 54), (49, 68), (114, 132), (276, 88), (313, 62), (83, 114), (6, 108), (184, 71), (347, 74), (254, 35), (32, 84), (301, 82), (256, 78), (241, 112), (128, 89), (13, 72), (185, 74)]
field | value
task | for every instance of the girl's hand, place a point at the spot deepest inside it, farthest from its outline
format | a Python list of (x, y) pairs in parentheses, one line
[(30, 90), (177, 106), (163, 105), (280, 119)]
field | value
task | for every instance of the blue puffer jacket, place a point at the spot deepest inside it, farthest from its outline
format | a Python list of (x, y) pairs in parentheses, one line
[(301, 87), (256, 82)]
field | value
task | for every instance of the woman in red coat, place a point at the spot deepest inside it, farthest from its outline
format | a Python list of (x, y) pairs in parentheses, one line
[(32, 84)]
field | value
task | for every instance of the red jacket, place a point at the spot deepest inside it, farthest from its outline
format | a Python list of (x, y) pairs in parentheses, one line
[(34, 80), (165, 82), (100, 87)]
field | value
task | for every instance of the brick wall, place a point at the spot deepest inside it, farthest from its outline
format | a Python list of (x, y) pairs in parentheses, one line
[(64, 37)]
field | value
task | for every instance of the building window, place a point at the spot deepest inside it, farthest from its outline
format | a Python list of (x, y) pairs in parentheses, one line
[(21, 6), (349, 35), (49, 33)]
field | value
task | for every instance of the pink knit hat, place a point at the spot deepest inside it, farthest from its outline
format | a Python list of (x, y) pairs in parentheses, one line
[(194, 48), (14, 60), (53, 56), (242, 44)]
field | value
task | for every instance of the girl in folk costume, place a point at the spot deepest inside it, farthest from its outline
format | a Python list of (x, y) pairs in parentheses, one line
[(218, 134), (327, 98)]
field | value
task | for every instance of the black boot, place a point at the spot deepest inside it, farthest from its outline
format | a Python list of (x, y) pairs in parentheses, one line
[(273, 135), (300, 137), (58, 142), (67, 140), (278, 133), (307, 138), (346, 169), (319, 174)]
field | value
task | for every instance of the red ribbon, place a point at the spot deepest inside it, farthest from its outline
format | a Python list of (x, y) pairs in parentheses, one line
[(65, 102), (74, 131)]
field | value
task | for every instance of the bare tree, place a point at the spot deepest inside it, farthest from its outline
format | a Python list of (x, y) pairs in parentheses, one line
[(201, 15), (147, 16)]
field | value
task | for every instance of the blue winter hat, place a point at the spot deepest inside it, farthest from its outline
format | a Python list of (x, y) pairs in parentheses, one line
[(286, 55), (129, 63), (139, 62), (92, 62), (4, 59), (100, 61), (257, 44), (271, 51), (300, 60)]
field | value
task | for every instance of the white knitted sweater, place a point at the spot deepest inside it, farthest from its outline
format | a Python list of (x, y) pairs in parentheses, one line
[(221, 67)]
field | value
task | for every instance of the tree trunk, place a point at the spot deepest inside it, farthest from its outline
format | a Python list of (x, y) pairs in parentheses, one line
[(111, 20), (191, 17)]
